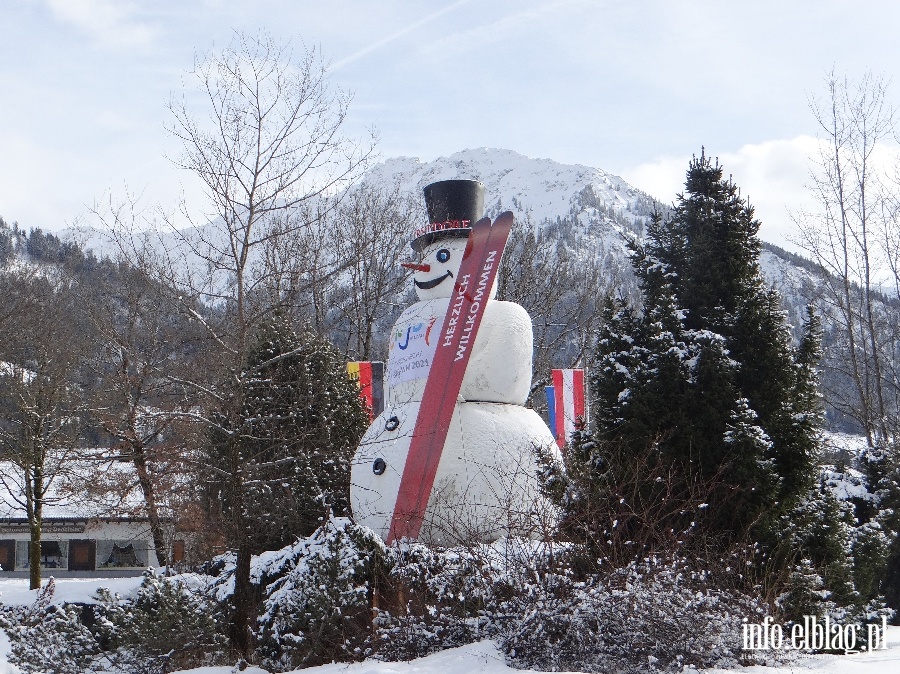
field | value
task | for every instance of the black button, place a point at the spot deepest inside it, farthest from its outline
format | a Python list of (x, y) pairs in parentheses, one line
[(392, 424), (379, 466)]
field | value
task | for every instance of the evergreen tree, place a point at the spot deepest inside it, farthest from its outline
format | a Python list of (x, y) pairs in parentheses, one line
[(707, 376), (301, 421), (816, 543)]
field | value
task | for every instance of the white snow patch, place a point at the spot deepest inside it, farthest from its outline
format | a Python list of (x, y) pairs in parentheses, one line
[(482, 657), (848, 484), (14, 591), (854, 445)]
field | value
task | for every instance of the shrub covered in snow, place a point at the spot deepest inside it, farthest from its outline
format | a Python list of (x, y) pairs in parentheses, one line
[(432, 599), (546, 614), (165, 627), (49, 639), (652, 615), (342, 595), (318, 597)]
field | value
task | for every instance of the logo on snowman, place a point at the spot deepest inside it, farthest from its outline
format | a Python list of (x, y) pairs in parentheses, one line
[(412, 349), (414, 330)]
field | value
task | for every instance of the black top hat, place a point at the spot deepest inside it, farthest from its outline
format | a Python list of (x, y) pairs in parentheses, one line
[(453, 207)]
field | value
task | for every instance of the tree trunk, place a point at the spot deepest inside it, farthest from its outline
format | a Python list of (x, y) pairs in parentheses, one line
[(34, 558), (243, 603), (34, 524), (159, 538)]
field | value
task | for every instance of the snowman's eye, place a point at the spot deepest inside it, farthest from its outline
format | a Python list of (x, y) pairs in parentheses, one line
[(443, 255)]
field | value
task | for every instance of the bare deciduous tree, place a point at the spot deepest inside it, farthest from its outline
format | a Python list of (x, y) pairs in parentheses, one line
[(369, 233), (269, 150), (138, 343), (42, 399), (562, 293), (851, 236)]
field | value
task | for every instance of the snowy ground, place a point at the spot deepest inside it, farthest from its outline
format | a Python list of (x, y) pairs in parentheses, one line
[(15, 592), (484, 658), (481, 658)]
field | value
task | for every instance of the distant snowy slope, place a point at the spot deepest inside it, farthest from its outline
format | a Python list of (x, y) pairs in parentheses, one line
[(799, 287), (541, 188)]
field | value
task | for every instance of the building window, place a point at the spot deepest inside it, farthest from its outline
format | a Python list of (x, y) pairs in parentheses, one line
[(122, 554), (54, 555)]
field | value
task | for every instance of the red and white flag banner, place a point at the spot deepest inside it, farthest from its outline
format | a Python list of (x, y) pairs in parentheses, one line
[(568, 387)]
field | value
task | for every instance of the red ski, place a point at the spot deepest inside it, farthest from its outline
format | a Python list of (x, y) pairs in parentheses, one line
[(477, 272)]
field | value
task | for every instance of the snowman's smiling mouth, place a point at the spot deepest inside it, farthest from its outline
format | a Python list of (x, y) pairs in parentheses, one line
[(433, 283)]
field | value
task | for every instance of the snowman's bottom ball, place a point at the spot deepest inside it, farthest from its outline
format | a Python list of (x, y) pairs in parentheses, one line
[(486, 484)]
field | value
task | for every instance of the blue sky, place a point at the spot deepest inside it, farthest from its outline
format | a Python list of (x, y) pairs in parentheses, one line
[(631, 86)]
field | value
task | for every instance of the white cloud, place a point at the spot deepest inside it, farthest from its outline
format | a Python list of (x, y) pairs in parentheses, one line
[(110, 23), (112, 120), (37, 189), (773, 175)]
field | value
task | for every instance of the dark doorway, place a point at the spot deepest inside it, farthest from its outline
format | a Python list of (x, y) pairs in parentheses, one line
[(8, 555), (82, 555), (177, 552)]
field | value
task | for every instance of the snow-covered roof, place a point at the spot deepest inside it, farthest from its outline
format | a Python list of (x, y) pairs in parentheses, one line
[(84, 489)]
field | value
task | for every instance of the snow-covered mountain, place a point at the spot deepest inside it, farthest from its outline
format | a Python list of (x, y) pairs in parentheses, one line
[(540, 189), (597, 210), (586, 201), (593, 212)]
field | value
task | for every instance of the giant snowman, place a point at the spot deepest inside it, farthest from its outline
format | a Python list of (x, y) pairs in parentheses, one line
[(486, 481)]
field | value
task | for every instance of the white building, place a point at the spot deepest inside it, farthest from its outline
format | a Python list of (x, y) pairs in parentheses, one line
[(122, 546), (82, 534)]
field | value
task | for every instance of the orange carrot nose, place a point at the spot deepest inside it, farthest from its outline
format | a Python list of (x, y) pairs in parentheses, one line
[(416, 267)]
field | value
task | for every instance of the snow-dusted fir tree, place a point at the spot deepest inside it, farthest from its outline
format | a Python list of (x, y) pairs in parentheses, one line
[(705, 383), (301, 420), (715, 261)]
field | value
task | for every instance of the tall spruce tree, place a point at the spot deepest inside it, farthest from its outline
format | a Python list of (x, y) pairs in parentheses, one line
[(706, 380), (278, 475)]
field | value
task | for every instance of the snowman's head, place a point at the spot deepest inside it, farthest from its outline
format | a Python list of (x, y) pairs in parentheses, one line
[(453, 207), (436, 274)]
